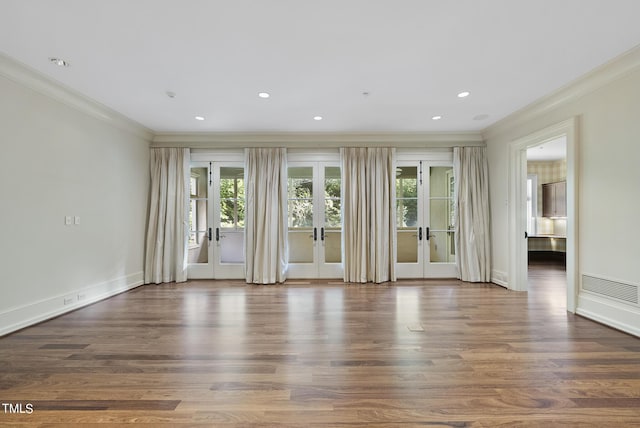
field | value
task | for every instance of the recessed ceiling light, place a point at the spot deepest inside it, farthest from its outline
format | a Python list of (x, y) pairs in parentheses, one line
[(317, 117), (171, 94), (463, 94), (436, 117), (199, 118), (59, 62), (263, 94)]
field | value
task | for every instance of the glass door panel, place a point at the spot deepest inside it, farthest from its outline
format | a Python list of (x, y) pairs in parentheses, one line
[(332, 229), (300, 214), (331, 223), (441, 254), (407, 216), (230, 235), (199, 248), (198, 221)]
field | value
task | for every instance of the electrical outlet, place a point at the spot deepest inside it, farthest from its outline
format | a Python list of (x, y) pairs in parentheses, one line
[(68, 300)]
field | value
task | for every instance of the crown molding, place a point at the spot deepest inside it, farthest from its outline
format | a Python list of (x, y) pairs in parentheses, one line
[(312, 140), (612, 70), (34, 80)]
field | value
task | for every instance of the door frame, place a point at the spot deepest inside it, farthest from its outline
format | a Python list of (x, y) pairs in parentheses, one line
[(517, 205)]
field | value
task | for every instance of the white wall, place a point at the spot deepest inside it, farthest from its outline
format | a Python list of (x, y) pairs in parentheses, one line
[(57, 161), (607, 105)]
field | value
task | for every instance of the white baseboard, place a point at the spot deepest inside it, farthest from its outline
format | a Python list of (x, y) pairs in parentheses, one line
[(609, 312), (499, 278), (33, 313)]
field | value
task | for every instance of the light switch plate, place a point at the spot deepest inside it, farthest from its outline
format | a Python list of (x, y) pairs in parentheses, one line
[(67, 220), (76, 220)]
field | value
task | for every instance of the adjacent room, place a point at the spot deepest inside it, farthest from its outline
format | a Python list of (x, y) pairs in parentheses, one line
[(547, 216), (285, 213)]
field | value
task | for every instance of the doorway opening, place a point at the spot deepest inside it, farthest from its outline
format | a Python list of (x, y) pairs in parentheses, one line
[(547, 219)]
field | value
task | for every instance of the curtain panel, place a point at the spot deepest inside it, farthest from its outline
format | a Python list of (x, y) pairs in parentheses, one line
[(368, 213), (472, 234), (266, 215), (167, 231)]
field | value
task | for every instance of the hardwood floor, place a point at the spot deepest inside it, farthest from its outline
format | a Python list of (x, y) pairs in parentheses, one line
[(324, 354)]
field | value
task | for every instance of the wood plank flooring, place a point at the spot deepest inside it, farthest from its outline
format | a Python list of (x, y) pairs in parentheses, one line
[(325, 354)]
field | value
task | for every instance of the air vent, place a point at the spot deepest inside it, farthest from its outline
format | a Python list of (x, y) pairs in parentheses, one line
[(617, 290)]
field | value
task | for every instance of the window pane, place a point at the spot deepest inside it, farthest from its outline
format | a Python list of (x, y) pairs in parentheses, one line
[(193, 186), (442, 247), (407, 245), (198, 182), (228, 212), (301, 246), (439, 214), (407, 182), (241, 210), (300, 213), (232, 247), (332, 182), (439, 180), (333, 246), (406, 212), (198, 247), (332, 213), (300, 182), (192, 217)]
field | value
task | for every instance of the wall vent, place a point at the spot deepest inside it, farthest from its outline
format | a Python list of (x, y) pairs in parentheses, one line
[(605, 287)]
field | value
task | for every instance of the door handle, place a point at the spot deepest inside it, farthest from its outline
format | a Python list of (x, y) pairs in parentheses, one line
[(428, 236), (526, 235), (209, 234), (217, 234), (322, 233), (420, 234), (315, 233)]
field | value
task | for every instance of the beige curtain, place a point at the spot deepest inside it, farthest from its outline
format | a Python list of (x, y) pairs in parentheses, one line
[(369, 218), (166, 247), (472, 235), (266, 215)]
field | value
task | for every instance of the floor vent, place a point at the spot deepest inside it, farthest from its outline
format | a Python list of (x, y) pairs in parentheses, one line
[(617, 290)]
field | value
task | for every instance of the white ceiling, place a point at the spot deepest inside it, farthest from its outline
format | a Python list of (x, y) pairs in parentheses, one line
[(317, 58), (549, 151)]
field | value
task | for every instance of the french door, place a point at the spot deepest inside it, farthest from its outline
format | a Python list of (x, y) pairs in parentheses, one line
[(314, 220), (424, 204), (216, 220)]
